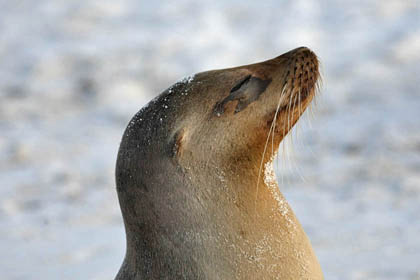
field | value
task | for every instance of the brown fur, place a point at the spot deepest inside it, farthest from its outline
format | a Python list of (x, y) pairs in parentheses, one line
[(194, 202)]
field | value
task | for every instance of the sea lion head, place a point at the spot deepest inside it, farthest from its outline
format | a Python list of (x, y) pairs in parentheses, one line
[(225, 118), (189, 160), (228, 114)]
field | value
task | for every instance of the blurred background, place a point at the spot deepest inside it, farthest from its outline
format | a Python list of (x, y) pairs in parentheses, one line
[(73, 73)]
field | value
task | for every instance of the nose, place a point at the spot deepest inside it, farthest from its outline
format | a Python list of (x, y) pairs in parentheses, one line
[(302, 72), (299, 53)]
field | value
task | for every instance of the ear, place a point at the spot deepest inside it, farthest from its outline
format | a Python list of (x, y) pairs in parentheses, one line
[(178, 143), (246, 91)]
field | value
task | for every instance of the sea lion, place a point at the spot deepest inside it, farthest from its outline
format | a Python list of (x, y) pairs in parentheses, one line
[(195, 180)]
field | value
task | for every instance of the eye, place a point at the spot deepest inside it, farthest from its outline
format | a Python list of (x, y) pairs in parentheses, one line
[(245, 92), (241, 83)]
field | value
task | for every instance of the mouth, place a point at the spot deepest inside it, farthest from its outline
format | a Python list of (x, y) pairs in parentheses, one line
[(299, 88), (300, 82)]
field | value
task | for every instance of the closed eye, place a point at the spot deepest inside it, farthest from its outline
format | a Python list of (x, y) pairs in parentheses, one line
[(241, 83)]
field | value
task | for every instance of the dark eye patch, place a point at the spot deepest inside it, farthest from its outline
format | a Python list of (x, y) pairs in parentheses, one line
[(246, 91)]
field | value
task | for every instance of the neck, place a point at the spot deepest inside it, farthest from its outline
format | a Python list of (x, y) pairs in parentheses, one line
[(226, 231)]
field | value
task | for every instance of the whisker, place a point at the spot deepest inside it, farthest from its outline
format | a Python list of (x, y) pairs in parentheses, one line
[(288, 110), (290, 137), (265, 146), (293, 109)]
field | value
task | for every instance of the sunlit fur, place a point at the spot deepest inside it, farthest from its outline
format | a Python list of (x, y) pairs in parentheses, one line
[(293, 96)]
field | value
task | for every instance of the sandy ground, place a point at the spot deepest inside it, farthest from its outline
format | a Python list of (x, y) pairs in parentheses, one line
[(72, 73)]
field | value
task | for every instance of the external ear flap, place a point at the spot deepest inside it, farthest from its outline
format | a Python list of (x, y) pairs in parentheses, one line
[(244, 92), (178, 142)]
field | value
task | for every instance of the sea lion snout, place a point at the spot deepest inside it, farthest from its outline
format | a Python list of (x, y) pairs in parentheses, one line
[(300, 72), (299, 51), (303, 73)]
